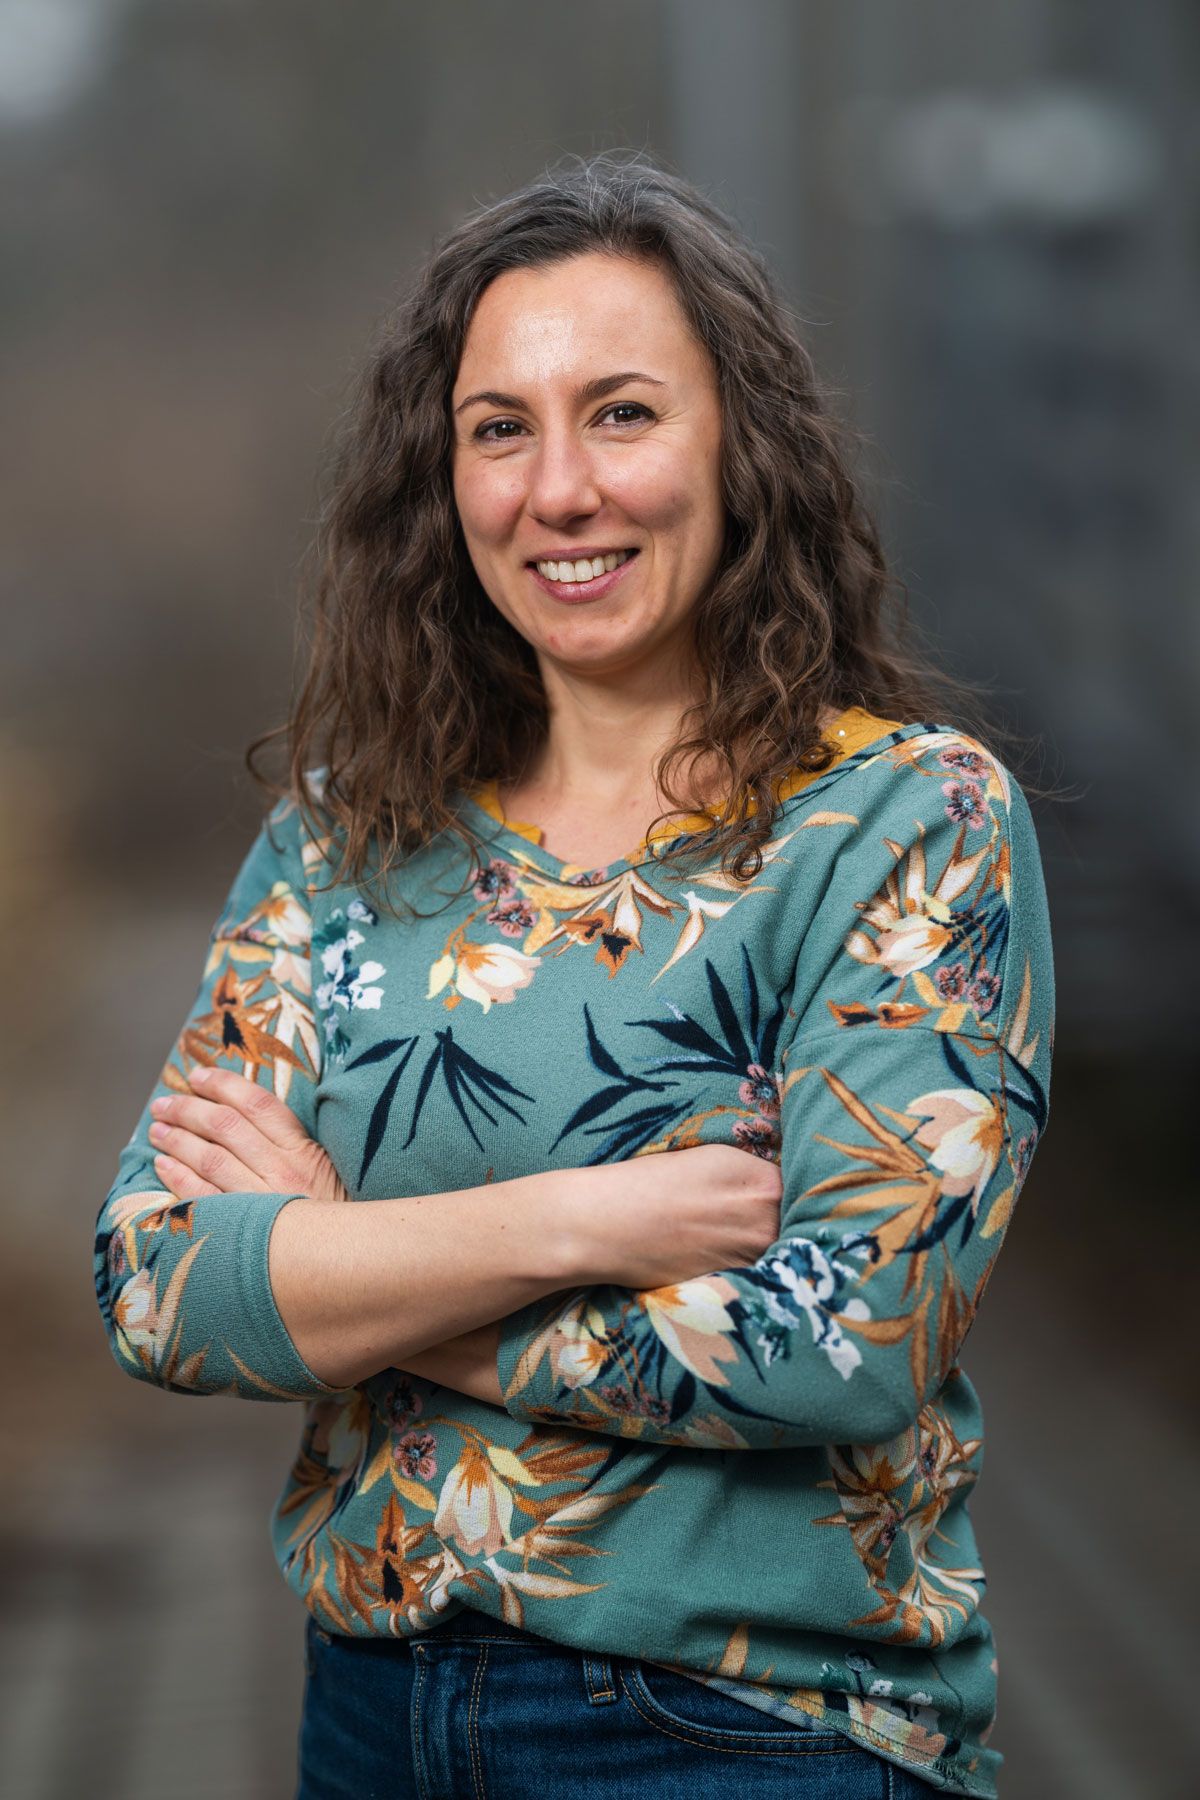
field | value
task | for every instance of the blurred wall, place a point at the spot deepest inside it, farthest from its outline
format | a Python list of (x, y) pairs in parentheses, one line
[(985, 219)]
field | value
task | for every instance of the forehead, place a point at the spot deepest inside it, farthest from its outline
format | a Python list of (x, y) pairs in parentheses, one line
[(534, 322)]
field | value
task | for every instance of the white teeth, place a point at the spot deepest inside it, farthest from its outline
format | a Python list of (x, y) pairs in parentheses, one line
[(584, 570)]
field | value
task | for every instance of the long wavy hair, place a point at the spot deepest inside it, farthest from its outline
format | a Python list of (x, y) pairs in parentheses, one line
[(417, 684)]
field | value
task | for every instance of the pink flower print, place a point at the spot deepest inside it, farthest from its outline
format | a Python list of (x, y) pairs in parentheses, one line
[(951, 983), (658, 1411), (415, 1455), (618, 1395), (966, 803), (760, 1090), (495, 882), (758, 1135), (967, 763), (514, 918), (887, 1529), (983, 990)]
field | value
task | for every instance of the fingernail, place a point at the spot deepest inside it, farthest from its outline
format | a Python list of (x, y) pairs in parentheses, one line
[(201, 1074)]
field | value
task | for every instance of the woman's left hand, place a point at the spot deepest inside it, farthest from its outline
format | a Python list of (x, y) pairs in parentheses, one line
[(231, 1136)]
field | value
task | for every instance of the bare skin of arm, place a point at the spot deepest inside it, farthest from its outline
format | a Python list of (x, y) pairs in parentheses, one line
[(466, 1363), (364, 1288), (421, 1283)]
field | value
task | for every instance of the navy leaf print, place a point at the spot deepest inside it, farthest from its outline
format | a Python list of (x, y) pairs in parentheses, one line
[(727, 1015), (382, 1109), (735, 1055), (377, 1052), (605, 1098)]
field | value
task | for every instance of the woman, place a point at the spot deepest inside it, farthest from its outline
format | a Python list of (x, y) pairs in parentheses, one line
[(621, 1470)]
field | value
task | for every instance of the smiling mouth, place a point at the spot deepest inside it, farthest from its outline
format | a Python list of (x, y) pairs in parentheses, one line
[(586, 569)]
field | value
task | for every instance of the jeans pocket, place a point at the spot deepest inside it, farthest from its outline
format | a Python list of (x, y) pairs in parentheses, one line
[(680, 1703)]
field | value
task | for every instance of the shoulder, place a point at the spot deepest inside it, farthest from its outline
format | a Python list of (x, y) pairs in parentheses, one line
[(926, 749), (958, 763), (932, 872), (937, 813), (882, 760), (291, 838), (930, 784), (902, 783)]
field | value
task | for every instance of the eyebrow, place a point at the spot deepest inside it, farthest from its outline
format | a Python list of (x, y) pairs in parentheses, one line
[(590, 390)]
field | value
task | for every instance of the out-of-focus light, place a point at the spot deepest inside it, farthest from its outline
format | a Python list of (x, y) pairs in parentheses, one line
[(941, 158), (1076, 157), (1048, 154), (50, 51)]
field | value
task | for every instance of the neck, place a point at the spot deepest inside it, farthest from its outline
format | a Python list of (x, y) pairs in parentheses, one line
[(605, 739), (605, 735)]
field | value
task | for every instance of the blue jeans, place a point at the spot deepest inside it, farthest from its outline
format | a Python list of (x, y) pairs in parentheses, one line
[(479, 1709)]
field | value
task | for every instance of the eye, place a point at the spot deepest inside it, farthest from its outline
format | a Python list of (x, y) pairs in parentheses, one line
[(634, 406), (481, 431)]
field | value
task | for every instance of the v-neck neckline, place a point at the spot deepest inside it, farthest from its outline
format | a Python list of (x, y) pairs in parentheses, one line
[(851, 731)]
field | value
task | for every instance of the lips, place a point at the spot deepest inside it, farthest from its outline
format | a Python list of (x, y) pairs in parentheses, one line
[(573, 593)]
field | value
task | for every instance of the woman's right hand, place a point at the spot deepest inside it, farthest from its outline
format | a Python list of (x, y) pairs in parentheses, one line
[(652, 1221)]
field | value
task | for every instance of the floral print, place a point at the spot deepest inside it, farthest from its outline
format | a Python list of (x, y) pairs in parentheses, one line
[(890, 1299), (347, 982), (757, 1476)]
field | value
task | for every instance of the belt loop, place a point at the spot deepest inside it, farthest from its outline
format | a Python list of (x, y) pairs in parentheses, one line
[(598, 1678)]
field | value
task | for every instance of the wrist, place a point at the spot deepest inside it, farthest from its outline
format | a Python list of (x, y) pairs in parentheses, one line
[(583, 1252)]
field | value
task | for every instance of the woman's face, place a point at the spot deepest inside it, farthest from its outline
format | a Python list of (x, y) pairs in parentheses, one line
[(587, 421)]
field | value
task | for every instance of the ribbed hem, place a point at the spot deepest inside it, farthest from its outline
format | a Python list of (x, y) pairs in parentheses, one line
[(234, 1264)]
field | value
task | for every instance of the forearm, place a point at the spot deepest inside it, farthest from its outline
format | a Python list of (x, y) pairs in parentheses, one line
[(898, 1181), (365, 1286), (466, 1363)]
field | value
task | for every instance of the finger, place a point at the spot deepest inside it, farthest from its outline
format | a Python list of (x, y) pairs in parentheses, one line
[(264, 1109), (220, 1124), (181, 1182), (218, 1168)]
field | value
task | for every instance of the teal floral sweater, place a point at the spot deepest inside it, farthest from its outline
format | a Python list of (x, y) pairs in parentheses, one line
[(760, 1476)]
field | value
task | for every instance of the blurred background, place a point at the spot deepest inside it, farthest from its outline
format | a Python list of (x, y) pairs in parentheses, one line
[(987, 219)]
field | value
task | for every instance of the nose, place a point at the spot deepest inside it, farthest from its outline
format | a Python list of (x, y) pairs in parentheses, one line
[(563, 482)]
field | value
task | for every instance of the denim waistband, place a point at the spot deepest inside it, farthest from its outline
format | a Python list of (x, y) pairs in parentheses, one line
[(470, 1625), (470, 1622)]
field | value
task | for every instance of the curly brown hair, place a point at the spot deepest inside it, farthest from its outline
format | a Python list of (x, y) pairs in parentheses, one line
[(417, 685)]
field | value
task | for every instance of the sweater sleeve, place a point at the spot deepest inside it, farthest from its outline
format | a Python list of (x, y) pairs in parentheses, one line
[(183, 1285), (914, 1087)]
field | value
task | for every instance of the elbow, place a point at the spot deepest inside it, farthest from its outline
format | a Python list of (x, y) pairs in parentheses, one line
[(143, 1337), (878, 1413), (175, 1328), (869, 1409), (139, 1349)]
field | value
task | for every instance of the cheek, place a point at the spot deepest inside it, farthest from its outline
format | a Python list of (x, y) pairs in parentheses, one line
[(673, 483), (488, 497), (659, 491)]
